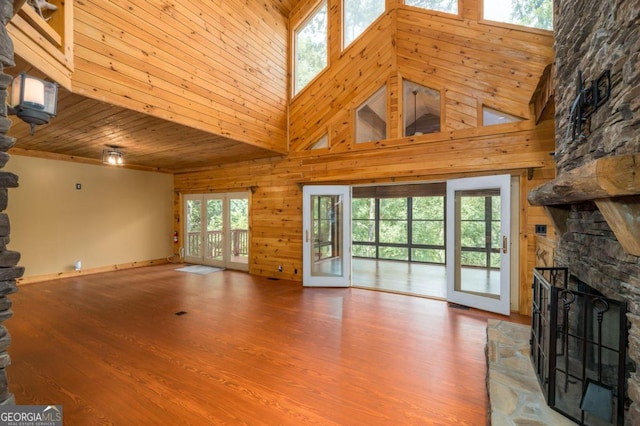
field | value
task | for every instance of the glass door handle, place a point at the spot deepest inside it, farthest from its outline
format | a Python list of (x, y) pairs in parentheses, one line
[(504, 243), (306, 235)]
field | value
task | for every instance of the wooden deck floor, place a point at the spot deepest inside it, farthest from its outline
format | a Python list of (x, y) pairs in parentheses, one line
[(111, 349)]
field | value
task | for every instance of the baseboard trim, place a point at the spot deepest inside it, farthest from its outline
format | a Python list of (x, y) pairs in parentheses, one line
[(98, 270)]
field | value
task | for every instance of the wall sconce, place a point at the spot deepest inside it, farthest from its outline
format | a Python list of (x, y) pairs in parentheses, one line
[(33, 100), (113, 156)]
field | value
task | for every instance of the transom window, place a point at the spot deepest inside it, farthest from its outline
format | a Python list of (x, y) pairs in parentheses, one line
[(357, 15), (310, 47), (530, 13), (447, 6)]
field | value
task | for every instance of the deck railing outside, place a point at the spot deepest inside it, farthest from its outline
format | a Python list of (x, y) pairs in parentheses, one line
[(239, 243)]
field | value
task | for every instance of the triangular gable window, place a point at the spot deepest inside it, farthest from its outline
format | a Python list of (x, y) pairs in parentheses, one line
[(371, 118), (321, 143), (492, 116), (421, 109)]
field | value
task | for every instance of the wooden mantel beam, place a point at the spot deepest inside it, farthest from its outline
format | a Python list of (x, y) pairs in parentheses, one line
[(603, 178), (623, 216), (613, 183)]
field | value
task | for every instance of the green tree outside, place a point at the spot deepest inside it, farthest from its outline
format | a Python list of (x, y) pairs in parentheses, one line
[(358, 15), (533, 13), (427, 228), (311, 48), (449, 6)]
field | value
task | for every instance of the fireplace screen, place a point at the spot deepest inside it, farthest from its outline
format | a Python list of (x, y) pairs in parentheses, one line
[(578, 348)]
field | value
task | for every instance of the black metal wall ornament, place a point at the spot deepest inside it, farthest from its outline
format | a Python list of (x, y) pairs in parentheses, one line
[(589, 97)]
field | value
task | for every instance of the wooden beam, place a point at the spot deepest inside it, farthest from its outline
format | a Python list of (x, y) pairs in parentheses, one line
[(603, 178), (558, 216), (542, 99), (623, 216), (613, 183)]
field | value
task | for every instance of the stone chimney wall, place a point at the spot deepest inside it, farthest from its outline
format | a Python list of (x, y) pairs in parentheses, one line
[(594, 36)]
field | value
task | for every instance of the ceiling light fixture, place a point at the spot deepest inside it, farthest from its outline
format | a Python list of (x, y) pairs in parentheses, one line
[(33, 100), (113, 156)]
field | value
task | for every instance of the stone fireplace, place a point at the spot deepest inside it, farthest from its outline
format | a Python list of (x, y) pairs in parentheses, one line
[(594, 202), (578, 348)]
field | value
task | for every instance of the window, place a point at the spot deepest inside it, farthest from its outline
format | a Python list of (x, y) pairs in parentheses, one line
[(448, 6), (371, 118), (480, 231), (492, 116), (357, 15), (321, 143), (324, 230), (399, 222), (421, 109), (393, 229), (363, 226), (530, 13), (310, 48), (427, 226)]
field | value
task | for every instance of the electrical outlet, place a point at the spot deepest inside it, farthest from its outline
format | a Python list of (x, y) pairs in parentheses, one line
[(279, 268), (541, 229)]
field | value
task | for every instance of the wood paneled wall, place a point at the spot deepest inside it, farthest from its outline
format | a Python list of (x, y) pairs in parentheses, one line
[(276, 202), (46, 45), (221, 67), (472, 63)]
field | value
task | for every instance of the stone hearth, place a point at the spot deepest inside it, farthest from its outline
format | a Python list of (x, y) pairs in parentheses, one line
[(515, 397)]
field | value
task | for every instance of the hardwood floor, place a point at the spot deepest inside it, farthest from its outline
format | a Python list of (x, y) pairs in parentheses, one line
[(111, 349), (420, 279), (400, 277)]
